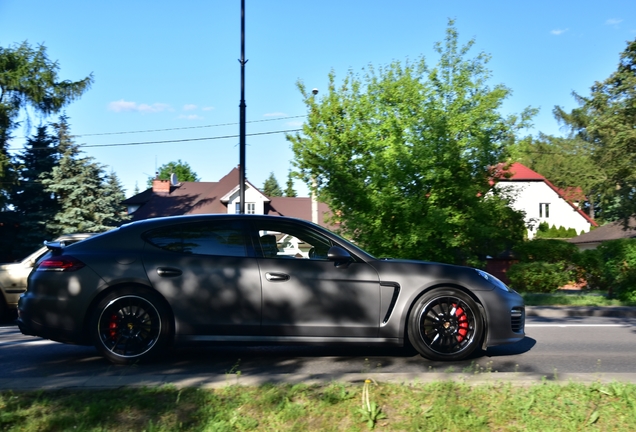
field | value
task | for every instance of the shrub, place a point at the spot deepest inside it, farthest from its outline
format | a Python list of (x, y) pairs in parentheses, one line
[(589, 267), (546, 250), (618, 268), (539, 276)]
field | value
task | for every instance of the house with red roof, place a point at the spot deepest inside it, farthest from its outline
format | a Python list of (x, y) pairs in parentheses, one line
[(541, 201), (173, 198)]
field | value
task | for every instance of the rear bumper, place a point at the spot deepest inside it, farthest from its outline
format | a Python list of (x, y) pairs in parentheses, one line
[(31, 325)]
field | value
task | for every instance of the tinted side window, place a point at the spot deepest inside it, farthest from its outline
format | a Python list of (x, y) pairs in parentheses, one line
[(201, 238), (280, 240)]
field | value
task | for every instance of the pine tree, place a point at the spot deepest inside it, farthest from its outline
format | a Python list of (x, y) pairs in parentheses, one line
[(30, 201), (289, 190), (115, 194), (78, 183), (271, 187)]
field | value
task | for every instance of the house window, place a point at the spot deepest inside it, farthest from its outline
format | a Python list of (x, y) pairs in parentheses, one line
[(544, 210), (250, 208)]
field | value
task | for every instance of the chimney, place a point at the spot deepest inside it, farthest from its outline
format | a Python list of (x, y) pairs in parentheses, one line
[(160, 186)]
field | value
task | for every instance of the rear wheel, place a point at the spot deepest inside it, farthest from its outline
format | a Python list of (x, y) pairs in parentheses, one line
[(445, 324), (130, 325)]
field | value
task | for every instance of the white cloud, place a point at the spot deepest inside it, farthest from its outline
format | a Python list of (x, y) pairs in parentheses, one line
[(190, 117), (275, 114), (122, 106), (294, 124), (558, 32), (613, 21), (207, 108), (189, 107)]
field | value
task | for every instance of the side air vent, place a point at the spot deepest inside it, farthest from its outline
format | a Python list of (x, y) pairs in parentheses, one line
[(517, 319)]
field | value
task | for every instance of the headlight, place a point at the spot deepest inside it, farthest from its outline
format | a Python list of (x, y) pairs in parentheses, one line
[(493, 280)]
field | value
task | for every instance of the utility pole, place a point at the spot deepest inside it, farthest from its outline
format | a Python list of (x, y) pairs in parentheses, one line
[(242, 61)]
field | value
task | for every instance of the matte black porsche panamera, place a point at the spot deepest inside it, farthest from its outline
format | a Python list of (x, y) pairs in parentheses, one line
[(137, 290)]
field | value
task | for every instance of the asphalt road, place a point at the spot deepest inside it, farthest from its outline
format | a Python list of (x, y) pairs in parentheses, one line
[(585, 348)]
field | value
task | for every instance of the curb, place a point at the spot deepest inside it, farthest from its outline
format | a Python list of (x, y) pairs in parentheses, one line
[(219, 381)]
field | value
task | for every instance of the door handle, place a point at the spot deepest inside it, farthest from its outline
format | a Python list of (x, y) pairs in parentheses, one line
[(276, 277), (168, 272)]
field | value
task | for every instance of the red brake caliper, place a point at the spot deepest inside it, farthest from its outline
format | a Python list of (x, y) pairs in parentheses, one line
[(112, 326), (462, 321)]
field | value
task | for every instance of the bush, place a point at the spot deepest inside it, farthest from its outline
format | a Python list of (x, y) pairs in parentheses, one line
[(539, 276), (545, 250), (589, 267), (618, 268)]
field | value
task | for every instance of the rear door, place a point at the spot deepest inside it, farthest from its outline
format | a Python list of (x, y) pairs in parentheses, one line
[(206, 272)]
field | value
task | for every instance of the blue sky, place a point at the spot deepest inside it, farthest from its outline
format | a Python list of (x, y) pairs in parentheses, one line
[(169, 71)]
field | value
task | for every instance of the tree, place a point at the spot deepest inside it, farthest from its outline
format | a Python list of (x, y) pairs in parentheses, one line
[(87, 202), (606, 120), (182, 170), (271, 187), (28, 80), (30, 201), (289, 186), (403, 156)]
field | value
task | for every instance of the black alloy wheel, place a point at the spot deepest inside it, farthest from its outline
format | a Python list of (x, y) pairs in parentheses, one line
[(129, 327), (445, 324)]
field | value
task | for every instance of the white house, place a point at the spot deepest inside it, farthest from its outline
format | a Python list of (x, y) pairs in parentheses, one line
[(541, 201)]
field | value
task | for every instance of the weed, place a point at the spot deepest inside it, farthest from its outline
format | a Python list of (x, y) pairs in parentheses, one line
[(370, 411)]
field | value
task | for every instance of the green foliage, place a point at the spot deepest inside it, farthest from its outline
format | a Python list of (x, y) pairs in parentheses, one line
[(289, 186), (538, 276), (182, 170), (88, 201), (546, 232), (402, 155), (606, 121), (544, 265), (29, 80), (271, 187), (617, 260), (546, 250), (29, 199)]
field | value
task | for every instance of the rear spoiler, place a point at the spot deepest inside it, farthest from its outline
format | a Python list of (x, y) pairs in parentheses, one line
[(55, 247)]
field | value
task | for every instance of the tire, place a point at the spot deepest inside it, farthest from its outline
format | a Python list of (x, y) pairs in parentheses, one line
[(131, 325), (445, 324)]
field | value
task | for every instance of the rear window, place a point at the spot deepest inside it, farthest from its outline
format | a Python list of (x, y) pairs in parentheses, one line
[(201, 238)]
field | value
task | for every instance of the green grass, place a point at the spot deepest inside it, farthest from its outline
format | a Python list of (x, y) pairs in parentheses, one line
[(583, 298), (447, 406)]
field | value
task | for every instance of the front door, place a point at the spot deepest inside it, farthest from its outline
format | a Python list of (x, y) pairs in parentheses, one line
[(305, 294)]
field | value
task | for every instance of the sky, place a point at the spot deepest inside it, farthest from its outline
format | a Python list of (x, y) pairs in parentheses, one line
[(167, 76)]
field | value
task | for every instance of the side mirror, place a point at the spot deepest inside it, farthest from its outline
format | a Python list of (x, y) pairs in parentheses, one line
[(339, 255)]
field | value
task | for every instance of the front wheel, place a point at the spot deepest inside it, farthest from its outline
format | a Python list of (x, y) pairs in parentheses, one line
[(130, 325), (445, 324)]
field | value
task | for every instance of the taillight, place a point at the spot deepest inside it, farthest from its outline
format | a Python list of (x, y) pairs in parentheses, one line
[(60, 264)]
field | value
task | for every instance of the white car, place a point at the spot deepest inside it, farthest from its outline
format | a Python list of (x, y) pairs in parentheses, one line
[(13, 277)]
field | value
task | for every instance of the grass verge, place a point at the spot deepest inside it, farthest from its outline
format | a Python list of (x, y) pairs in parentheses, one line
[(583, 298), (448, 406)]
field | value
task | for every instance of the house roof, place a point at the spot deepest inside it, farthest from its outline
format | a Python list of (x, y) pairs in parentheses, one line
[(611, 231), (519, 172), (189, 198), (184, 199)]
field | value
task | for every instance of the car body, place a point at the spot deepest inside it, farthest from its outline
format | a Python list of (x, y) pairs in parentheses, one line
[(13, 276), (138, 289)]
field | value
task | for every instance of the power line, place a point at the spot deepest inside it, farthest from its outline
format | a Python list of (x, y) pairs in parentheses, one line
[(185, 140), (173, 141), (187, 127)]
